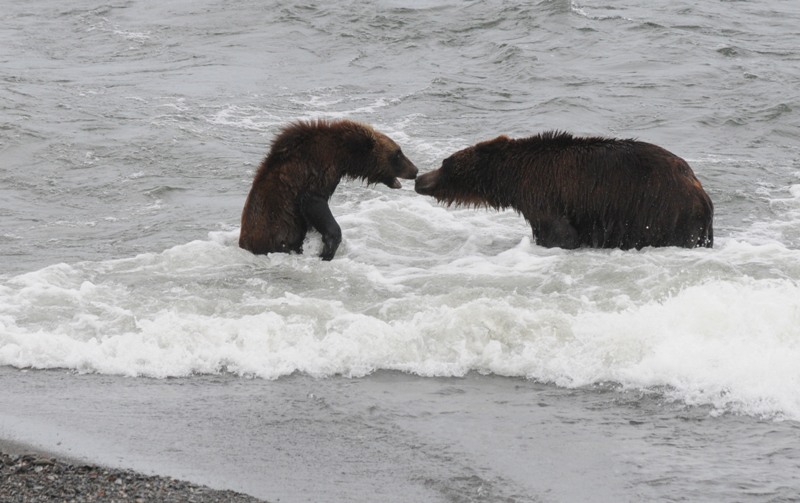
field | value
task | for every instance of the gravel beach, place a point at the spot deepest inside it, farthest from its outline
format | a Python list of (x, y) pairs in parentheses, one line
[(34, 477)]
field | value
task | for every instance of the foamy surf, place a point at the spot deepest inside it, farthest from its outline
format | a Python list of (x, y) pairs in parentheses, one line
[(444, 293)]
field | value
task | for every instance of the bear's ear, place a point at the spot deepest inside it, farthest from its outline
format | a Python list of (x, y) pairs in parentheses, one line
[(492, 145)]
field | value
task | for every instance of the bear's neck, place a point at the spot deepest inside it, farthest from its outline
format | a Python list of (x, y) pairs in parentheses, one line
[(522, 182)]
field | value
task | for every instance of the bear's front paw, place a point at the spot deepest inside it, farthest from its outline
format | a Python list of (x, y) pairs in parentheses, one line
[(329, 248)]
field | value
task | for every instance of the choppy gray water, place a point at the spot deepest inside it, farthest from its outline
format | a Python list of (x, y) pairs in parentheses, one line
[(129, 133)]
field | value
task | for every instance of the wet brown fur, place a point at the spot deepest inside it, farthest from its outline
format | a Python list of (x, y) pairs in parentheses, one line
[(310, 158), (591, 192)]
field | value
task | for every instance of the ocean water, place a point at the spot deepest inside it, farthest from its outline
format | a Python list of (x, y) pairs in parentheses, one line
[(130, 132)]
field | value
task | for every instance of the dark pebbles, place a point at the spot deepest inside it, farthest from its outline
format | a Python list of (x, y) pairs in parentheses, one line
[(32, 478)]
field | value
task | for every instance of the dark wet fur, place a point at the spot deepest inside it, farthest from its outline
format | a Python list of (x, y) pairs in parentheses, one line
[(591, 191)]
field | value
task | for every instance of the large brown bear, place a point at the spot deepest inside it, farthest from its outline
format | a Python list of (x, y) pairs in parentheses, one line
[(294, 182), (581, 192)]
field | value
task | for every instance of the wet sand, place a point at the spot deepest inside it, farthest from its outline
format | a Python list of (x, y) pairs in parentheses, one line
[(395, 437), (388, 437)]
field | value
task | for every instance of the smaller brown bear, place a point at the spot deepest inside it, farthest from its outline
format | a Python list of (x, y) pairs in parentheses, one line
[(581, 192), (293, 184)]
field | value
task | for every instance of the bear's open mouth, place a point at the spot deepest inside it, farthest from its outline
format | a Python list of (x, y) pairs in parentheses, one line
[(392, 183)]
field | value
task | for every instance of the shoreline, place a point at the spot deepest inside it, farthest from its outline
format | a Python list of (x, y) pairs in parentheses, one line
[(31, 474), (16, 448), (391, 437)]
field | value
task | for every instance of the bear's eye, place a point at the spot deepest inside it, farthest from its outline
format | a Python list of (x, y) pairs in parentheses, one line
[(395, 157)]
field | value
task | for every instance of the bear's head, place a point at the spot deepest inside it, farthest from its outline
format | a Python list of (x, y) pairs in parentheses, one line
[(468, 177), (374, 157)]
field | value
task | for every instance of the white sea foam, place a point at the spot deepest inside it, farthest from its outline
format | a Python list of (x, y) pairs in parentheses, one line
[(249, 117), (595, 13), (431, 291)]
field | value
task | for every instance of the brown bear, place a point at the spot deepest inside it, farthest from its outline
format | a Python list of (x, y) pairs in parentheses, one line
[(294, 182), (581, 192)]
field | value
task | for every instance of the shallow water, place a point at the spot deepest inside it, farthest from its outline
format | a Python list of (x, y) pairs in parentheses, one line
[(400, 437), (130, 133)]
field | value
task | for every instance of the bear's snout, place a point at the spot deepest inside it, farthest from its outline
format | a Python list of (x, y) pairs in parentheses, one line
[(426, 183), (409, 172)]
